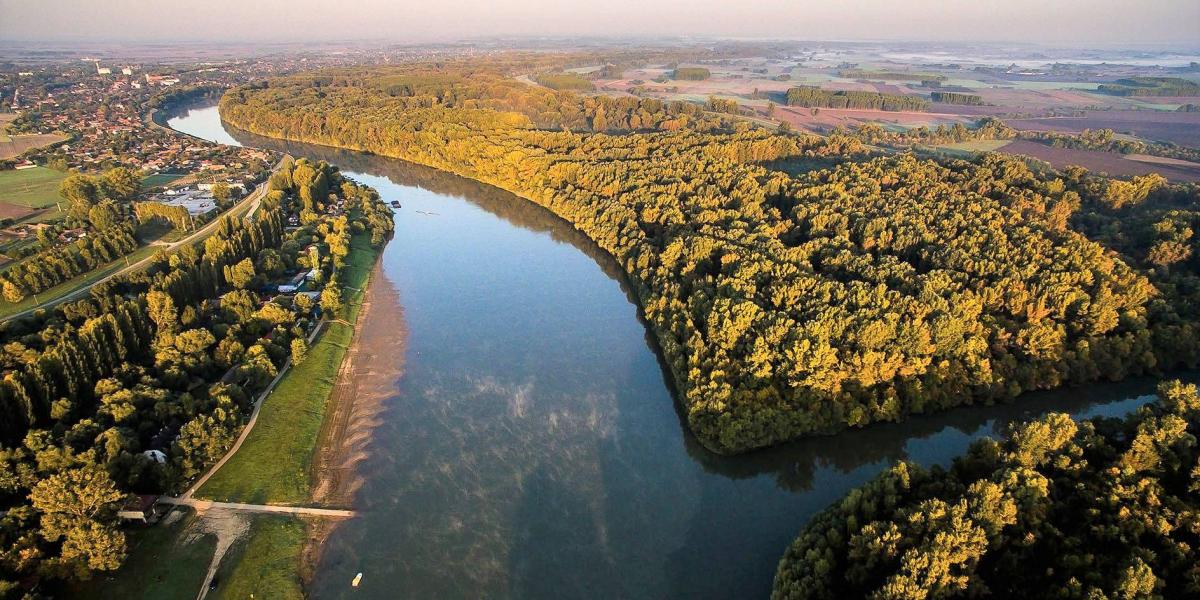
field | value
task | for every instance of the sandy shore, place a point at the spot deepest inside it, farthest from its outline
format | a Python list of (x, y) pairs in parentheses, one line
[(368, 375)]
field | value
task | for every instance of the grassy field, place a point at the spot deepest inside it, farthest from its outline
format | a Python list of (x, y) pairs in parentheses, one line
[(30, 188), (264, 564), (272, 466), (160, 179), (166, 562)]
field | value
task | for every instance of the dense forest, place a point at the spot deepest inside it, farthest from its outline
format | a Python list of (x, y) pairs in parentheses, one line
[(1106, 508), (564, 81), (145, 383), (813, 96), (786, 306)]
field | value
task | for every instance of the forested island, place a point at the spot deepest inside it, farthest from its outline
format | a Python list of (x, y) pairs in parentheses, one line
[(784, 305), (1105, 508)]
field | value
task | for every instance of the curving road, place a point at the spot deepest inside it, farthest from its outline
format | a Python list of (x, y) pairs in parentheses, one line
[(251, 203)]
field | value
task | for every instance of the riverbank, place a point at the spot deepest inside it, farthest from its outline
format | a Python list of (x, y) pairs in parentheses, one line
[(291, 419), (373, 364), (267, 555), (306, 428)]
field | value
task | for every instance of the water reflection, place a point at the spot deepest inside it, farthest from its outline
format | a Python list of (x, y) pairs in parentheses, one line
[(532, 448)]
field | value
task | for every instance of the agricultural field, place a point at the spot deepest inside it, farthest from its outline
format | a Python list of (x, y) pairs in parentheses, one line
[(1175, 127), (1036, 95), (12, 146), (1120, 165), (25, 191), (160, 179)]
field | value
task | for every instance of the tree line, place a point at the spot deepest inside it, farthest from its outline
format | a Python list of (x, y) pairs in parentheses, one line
[(991, 128), (792, 305), (1151, 86), (57, 264), (815, 97), (564, 81), (956, 98), (891, 75), (690, 73), (177, 216)]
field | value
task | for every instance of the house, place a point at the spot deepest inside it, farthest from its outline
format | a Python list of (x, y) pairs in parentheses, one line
[(139, 509)]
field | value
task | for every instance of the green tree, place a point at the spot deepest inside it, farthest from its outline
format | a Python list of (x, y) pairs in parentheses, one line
[(80, 192), (299, 350), (242, 274), (221, 192), (120, 184), (102, 215), (331, 298), (162, 311), (79, 507)]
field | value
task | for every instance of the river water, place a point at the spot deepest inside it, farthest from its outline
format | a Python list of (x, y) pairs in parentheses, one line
[(532, 448)]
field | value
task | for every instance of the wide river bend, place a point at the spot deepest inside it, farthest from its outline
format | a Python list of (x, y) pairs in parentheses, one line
[(532, 449)]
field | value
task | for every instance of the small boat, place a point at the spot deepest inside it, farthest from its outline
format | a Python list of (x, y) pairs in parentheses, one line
[(395, 204), (357, 579)]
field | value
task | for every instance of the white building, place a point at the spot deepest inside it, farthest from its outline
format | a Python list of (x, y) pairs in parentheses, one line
[(197, 202)]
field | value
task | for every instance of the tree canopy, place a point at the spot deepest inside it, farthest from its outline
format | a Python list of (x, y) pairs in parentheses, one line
[(1106, 508), (784, 305)]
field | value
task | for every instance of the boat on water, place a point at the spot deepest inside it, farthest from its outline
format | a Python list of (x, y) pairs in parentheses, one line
[(357, 579), (395, 204)]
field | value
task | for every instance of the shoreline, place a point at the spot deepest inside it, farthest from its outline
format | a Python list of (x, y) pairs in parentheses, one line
[(374, 361)]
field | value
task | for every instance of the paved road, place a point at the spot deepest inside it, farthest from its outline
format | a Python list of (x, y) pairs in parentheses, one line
[(253, 202), (202, 505)]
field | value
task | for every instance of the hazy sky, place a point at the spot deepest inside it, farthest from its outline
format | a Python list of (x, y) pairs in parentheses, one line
[(1045, 21)]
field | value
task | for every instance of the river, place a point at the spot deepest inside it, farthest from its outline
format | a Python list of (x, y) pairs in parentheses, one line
[(532, 447)]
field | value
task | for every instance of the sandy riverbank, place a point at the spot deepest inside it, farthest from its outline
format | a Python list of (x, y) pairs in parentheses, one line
[(368, 375)]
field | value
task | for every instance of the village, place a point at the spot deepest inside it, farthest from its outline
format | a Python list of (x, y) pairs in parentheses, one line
[(102, 116)]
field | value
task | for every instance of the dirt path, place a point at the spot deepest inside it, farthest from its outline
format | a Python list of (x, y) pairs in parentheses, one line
[(228, 526), (202, 506)]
